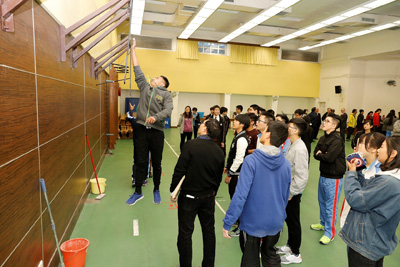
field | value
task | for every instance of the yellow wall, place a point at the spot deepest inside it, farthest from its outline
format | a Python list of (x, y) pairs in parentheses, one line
[(215, 74)]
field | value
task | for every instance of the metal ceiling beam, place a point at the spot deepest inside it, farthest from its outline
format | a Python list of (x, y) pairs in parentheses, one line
[(111, 61), (7, 8), (119, 49), (111, 49), (101, 37)]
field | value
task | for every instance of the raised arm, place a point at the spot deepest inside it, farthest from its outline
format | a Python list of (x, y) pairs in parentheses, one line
[(133, 53)]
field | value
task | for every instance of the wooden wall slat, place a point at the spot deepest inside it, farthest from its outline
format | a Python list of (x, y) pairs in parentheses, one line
[(60, 158), (19, 200), (18, 113), (62, 208), (17, 48), (61, 107), (92, 103), (48, 52)]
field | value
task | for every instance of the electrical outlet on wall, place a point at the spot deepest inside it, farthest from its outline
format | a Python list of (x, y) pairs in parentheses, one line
[(40, 264)]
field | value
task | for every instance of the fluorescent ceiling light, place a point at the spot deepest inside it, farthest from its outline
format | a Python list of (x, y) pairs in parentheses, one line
[(200, 17), (342, 16), (355, 34), (261, 17), (137, 16)]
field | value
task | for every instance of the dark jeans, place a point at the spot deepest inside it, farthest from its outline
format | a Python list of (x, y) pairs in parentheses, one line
[(251, 254), (232, 185), (350, 131), (293, 224), (185, 135), (188, 208), (148, 140), (195, 129), (355, 259)]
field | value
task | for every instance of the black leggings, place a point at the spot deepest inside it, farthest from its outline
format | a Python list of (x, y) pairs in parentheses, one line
[(185, 135)]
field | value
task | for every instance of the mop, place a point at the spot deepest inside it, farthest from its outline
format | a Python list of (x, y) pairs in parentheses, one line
[(53, 226), (95, 173)]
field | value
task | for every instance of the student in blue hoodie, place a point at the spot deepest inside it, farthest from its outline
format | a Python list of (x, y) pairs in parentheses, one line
[(260, 199)]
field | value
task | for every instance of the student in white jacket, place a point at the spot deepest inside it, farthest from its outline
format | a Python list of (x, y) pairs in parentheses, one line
[(297, 155)]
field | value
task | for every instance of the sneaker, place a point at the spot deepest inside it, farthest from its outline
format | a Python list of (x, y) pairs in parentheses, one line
[(134, 199), (317, 227), (235, 232), (291, 258), (157, 197), (283, 250), (326, 240), (145, 183)]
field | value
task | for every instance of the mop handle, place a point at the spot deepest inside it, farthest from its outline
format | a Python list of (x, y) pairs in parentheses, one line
[(53, 226), (94, 168)]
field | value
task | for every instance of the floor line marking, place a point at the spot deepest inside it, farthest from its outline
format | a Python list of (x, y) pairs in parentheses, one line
[(136, 227), (219, 206)]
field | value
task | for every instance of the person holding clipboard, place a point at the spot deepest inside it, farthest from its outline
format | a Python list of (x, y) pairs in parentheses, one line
[(199, 167)]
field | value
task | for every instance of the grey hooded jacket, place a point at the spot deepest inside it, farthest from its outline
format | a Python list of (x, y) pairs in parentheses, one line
[(156, 102)]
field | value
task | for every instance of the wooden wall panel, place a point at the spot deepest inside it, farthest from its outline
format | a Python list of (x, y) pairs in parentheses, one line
[(16, 48), (48, 51), (92, 103), (61, 107), (29, 252), (63, 207), (19, 200), (60, 157), (61, 113), (18, 113)]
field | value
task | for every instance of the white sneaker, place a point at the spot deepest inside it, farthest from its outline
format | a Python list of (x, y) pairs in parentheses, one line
[(283, 250), (291, 258)]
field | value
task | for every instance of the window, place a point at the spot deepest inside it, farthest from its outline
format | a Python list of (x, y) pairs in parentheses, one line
[(212, 48)]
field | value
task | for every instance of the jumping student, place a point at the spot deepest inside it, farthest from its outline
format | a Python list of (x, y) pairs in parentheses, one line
[(155, 105), (237, 152), (332, 166), (260, 199), (370, 229), (368, 146), (297, 155)]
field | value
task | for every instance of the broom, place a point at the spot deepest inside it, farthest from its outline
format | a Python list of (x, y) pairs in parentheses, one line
[(95, 173)]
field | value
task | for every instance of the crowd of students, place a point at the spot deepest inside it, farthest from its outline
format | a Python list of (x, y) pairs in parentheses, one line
[(267, 171)]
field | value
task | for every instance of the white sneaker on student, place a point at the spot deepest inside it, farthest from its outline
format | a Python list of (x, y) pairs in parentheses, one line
[(283, 250), (291, 258)]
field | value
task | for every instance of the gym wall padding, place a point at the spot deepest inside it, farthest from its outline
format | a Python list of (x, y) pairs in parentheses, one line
[(46, 108), (216, 74)]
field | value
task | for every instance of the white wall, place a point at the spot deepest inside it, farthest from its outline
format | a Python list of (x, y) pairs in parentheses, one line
[(377, 94), (288, 105)]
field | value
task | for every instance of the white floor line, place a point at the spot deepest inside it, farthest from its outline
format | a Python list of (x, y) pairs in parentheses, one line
[(219, 206), (136, 227)]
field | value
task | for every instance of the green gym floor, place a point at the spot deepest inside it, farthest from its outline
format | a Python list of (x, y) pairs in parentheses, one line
[(108, 224)]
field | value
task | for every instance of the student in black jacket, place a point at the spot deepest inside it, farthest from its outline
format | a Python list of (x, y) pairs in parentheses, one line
[(202, 164), (331, 155)]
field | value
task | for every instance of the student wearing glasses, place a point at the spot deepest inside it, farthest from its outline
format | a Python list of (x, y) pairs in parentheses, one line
[(331, 155), (262, 124)]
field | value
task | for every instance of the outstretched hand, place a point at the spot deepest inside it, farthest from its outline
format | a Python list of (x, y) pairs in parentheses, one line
[(133, 43), (132, 107)]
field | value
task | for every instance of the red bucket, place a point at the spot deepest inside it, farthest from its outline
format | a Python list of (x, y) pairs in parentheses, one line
[(74, 252)]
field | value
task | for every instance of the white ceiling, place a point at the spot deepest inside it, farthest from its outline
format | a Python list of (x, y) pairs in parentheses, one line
[(168, 18)]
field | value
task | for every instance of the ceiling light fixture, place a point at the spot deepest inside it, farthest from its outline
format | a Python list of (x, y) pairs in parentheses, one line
[(263, 16), (137, 16), (200, 17), (355, 34), (342, 16)]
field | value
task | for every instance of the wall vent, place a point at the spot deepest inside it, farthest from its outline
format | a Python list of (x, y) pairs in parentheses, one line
[(152, 42), (299, 56), (191, 9)]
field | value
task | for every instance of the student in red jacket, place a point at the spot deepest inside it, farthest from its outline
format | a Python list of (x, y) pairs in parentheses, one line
[(377, 119)]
